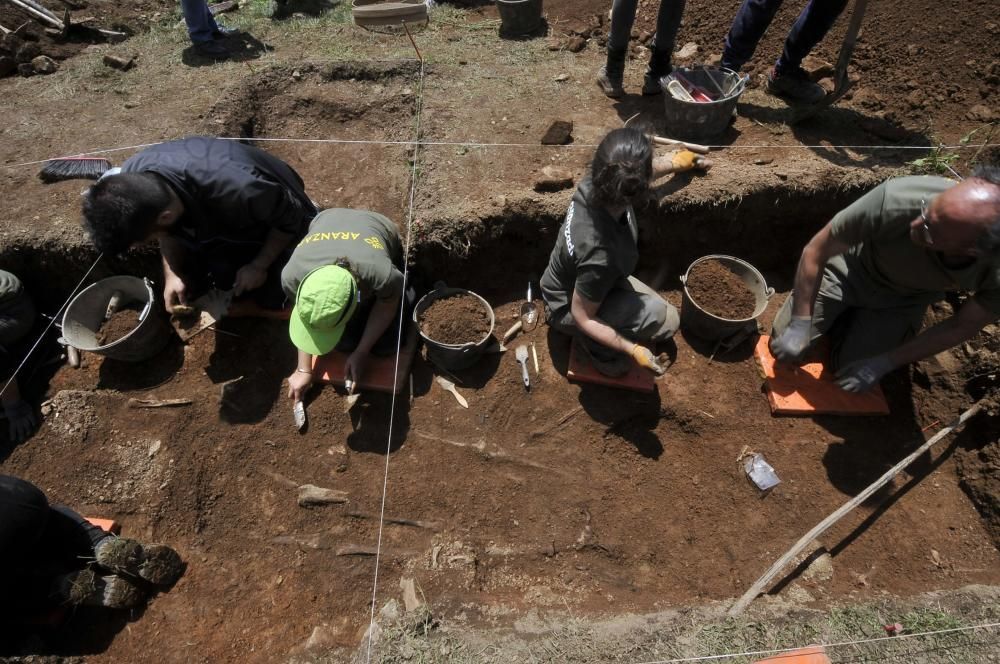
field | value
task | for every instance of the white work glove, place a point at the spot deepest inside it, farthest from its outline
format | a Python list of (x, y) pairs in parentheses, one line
[(862, 375), (792, 344), (21, 420)]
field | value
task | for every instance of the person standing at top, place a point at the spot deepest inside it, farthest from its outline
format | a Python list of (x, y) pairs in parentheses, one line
[(205, 33), (668, 20), (787, 78)]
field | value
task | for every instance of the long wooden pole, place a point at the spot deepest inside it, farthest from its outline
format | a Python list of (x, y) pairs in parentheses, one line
[(758, 587)]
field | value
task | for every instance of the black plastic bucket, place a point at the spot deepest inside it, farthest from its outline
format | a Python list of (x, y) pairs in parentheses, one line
[(453, 357), (708, 326), (519, 17)]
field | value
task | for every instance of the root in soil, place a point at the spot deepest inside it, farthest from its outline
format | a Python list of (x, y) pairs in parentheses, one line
[(718, 291), (118, 325), (456, 319)]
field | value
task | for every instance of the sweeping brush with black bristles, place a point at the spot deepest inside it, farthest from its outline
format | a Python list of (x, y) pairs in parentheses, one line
[(74, 168)]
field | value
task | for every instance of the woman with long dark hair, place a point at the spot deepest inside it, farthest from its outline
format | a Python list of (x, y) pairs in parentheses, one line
[(588, 287)]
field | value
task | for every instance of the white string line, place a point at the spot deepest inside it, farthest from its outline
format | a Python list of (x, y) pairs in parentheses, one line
[(838, 644), (399, 342), (51, 323), (476, 144)]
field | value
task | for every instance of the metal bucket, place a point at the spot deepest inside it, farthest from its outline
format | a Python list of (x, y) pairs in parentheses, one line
[(451, 356), (693, 121), (708, 326), (85, 314), (519, 17)]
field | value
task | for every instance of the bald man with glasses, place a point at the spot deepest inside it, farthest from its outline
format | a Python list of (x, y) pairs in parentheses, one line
[(865, 279)]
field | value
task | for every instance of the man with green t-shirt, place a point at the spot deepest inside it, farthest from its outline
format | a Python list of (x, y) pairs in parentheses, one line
[(346, 278), (866, 278)]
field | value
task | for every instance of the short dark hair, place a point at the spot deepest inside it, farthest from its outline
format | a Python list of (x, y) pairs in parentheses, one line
[(622, 167), (120, 210), (990, 242)]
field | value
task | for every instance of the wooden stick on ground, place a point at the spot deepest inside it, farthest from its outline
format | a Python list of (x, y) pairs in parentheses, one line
[(55, 23), (820, 528), (693, 147)]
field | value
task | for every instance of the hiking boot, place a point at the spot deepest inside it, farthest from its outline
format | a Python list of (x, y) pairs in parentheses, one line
[(651, 85), (86, 588), (658, 67), (794, 86), (212, 50), (606, 362), (156, 563), (610, 84)]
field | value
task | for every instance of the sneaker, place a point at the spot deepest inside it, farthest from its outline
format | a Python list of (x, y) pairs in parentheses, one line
[(610, 85), (611, 364), (156, 563), (794, 86), (212, 50), (87, 588)]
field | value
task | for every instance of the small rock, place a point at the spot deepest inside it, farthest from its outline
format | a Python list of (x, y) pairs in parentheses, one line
[(916, 99), (7, 65), (406, 92), (553, 178), (576, 44), (154, 448), (25, 69), (781, 175), (27, 52), (913, 49), (130, 104), (562, 78), (763, 161), (982, 113), (560, 132), (554, 43), (116, 62), (322, 636), (689, 50), (311, 495), (817, 68), (297, 75)]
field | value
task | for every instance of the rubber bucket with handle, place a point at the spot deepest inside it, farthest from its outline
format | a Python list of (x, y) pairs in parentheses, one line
[(695, 121), (519, 17), (708, 326), (452, 356), (85, 314)]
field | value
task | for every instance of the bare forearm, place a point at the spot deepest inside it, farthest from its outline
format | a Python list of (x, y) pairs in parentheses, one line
[(304, 363), (807, 281), (604, 334), (172, 252), (274, 244), (946, 334)]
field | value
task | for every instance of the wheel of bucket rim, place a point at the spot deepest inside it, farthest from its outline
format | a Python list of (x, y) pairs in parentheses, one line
[(86, 313), (453, 357), (711, 327)]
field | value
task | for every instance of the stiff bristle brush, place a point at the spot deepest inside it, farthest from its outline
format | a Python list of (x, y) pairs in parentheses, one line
[(74, 168)]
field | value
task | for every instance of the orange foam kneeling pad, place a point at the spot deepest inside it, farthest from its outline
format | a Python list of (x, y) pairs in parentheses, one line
[(810, 389), (810, 655), (379, 372), (581, 370), (108, 525)]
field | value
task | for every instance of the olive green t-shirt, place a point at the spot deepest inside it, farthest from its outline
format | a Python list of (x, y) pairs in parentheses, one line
[(877, 226), (367, 239)]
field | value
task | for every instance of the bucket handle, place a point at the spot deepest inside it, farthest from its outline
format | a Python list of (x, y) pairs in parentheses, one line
[(768, 293), (150, 301)]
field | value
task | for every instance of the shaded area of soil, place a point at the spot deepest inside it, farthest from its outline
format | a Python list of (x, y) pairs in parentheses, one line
[(118, 325), (715, 288), (456, 319)]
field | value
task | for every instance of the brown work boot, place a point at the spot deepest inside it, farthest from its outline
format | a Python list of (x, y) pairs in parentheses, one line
[(156, 563)]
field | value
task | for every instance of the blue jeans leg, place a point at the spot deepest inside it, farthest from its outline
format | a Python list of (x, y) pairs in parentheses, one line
[(810, 27), (751, 22), (199, 20), (668, 21)]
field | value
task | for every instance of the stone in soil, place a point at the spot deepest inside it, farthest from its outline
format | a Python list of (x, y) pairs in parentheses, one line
[(718, 291), (457, 319), (118, 325)]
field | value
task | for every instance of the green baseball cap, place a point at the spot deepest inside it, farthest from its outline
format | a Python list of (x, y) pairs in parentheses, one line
[(324, 303)]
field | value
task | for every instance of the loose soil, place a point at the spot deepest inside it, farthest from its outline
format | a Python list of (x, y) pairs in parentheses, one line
[(121, 323), (456, 319), (717, 290), (531, 503)]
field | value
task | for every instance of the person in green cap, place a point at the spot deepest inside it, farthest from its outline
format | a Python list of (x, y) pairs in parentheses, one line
[(346, 279)]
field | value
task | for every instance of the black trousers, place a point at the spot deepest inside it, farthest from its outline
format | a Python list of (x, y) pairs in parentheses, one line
[(38, 542)]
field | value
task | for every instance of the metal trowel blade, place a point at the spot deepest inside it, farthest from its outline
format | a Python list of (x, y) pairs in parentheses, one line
[(299, 411)]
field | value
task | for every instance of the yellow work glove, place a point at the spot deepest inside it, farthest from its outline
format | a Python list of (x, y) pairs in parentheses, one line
[(645, 359), (685, 160)]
